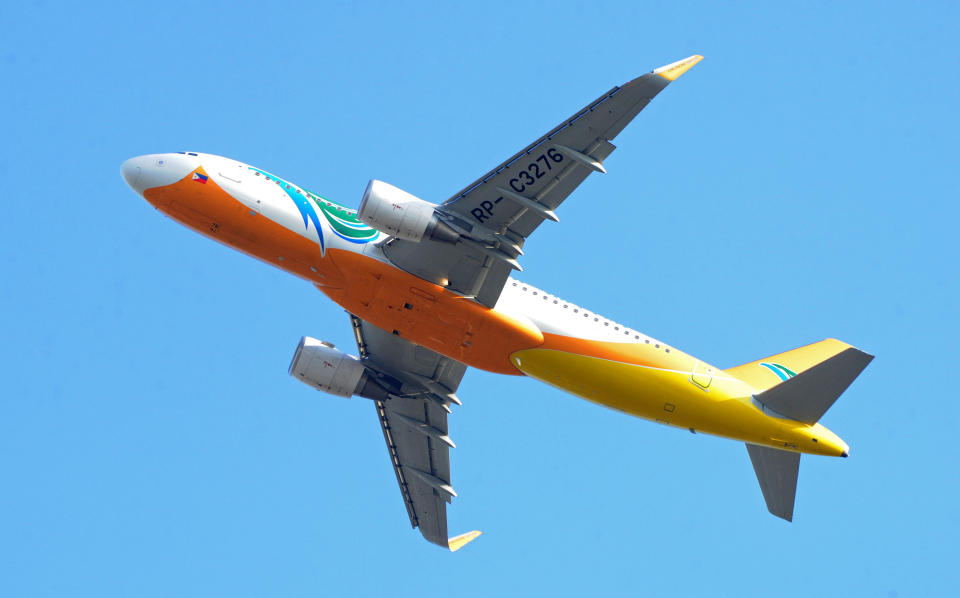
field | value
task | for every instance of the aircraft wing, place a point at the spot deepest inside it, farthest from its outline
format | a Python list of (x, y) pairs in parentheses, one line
[(420, 386), (497, 212)]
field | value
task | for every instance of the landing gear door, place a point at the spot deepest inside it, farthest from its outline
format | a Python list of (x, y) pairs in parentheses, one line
[(702, 375)]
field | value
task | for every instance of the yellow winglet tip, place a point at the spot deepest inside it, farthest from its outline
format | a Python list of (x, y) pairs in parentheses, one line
[(457, 542), (673, 70)]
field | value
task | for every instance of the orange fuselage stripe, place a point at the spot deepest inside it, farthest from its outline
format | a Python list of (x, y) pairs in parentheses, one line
[(387, 297)]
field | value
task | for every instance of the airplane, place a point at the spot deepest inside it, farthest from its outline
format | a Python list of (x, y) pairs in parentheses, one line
[(429, 292)]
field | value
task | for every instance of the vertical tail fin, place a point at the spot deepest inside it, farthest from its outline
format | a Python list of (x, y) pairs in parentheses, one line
[(777, 473)]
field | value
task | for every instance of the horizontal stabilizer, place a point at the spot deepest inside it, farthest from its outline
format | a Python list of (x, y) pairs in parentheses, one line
[(770, 371), (777, 473), (457, 542), (806, 396)]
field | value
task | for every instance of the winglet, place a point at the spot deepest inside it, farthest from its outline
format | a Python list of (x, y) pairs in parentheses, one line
[(457, 542), (673, 70)]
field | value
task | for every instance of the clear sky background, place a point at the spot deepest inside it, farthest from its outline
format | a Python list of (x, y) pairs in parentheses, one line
[(799, 183)]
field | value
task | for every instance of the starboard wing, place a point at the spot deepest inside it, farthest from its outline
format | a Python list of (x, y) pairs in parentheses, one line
[(498, 211)]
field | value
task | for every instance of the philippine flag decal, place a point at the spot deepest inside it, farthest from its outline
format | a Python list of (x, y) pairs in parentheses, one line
[(200, 178)]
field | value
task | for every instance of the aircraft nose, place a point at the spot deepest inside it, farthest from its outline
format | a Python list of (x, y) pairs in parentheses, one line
[(157, 170), (131, 170)]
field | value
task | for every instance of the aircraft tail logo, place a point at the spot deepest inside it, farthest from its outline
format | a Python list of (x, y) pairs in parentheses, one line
[(783, 372)]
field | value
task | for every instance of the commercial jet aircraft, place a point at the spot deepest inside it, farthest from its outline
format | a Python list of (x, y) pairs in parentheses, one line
[(428, 291)]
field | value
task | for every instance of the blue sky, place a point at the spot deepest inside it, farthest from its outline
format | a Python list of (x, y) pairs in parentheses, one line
[(799, 183)]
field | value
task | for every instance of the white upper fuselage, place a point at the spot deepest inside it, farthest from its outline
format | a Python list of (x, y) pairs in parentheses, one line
[(274, 198)]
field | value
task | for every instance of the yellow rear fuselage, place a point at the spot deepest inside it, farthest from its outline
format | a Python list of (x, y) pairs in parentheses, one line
[(678, 391)]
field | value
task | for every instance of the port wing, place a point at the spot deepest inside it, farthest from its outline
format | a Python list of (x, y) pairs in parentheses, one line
[(497, 212), (421, 386)]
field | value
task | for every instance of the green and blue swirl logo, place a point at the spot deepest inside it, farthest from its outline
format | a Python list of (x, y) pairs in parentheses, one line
[(783, 372), (343, 222)]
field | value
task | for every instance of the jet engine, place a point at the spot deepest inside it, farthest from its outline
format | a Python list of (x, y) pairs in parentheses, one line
[(321, 365), (393, 211)]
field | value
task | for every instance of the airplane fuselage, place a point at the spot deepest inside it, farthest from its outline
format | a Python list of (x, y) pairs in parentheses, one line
[(528, 332)]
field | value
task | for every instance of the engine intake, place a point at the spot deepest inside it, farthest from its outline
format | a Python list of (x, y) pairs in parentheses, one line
[(393, 211), (321, 365)]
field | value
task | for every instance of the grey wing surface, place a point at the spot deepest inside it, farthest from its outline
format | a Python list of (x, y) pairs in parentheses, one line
[(496, 213), (415, 387)]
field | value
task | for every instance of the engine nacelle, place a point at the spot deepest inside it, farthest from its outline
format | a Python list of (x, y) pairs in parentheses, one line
[(321, 365), (393, 211)]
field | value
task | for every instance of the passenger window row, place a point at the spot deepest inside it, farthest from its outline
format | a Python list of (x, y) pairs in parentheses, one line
[(576, 310)]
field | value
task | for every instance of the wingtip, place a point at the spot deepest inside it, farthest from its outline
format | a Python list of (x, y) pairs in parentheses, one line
[(671, 71), (457, 542)]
